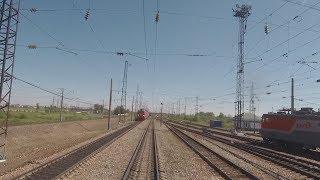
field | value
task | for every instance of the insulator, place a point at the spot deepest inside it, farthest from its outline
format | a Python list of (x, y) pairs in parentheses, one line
[(33, 10), (157, 17), (120, 53), (86, 16), (32, 46), (266, 29)]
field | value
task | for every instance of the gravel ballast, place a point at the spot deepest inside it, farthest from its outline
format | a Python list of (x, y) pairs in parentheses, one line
[(178, 161), (111, 162), (253, 163)]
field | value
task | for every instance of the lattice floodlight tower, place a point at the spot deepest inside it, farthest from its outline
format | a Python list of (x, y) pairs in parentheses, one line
[(242, 13)]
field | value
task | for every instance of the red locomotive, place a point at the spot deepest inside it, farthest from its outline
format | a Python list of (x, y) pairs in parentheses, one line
[(298, 129), (142, 115)]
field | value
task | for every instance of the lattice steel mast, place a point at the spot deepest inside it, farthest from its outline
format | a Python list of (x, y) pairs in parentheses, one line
[(252, 102), (242, 13), (8, 32), (124, 86)]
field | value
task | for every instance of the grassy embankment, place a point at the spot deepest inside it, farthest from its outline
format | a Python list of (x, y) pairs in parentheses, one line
[(22, 117)]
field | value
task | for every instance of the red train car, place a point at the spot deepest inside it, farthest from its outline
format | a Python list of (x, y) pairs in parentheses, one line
[(142, 115), (299, 129)]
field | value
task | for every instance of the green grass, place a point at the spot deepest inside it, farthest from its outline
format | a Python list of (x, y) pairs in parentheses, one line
[(22, 118), (204, 119)]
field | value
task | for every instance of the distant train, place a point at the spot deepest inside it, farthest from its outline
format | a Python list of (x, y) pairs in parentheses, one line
[(142, 115), (295, 130)]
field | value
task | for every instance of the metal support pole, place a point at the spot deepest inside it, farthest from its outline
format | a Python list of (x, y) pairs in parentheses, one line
[(161, 117), (110, 103), (61, 103), (292, 95), (185, 108), (132, 108), (197, 108), (254, 121)]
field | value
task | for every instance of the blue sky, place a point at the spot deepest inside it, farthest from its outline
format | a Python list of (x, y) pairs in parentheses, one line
[(186, 27)]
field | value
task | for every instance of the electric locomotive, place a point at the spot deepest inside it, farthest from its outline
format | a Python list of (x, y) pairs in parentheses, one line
[(298, 129), (142, 115)]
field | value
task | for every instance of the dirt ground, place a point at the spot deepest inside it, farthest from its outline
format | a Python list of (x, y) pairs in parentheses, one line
[(28, 143)]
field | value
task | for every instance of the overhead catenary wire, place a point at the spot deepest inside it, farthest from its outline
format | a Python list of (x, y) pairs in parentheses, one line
[(289, 52), (52, 36), (303, 4), (50, 91), (283, 25), (264, 18), (145, 33)]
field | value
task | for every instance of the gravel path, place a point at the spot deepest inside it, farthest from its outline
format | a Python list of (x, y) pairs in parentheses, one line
[(111, 162), (177, 161), (253, 163)]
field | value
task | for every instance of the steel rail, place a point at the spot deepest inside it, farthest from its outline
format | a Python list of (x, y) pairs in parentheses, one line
[(156, 167), (223, 166), (138, 150), (302, 167), (58, 166)]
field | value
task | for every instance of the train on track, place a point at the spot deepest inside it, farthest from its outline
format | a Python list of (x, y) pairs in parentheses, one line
[(295, 130), (142, 115)]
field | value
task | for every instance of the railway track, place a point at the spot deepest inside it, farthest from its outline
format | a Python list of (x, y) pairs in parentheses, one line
[(301, 166), (144, 162), (55, 168), (223, 166), (222, 132)]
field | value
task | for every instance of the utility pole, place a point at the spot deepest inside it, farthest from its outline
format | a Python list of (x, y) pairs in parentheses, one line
[(137, 98), (102, 111), (140, 103), (110, 103), (9, 26), (52, 101), (242, 13), (61, 103), (173, 111), (161, 117), (185, 108), (196, 108), (254, 120), (132, 108), (252, 108), (179, 106), (292, 96)]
